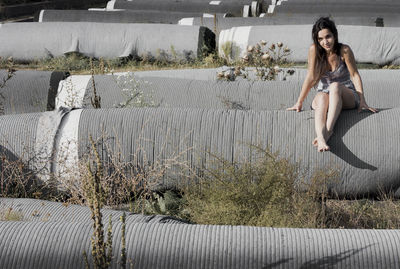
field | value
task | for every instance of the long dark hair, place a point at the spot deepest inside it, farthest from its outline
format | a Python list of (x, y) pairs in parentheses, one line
[(321, 61)]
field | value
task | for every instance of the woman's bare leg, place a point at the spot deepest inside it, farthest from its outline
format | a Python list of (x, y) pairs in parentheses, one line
[(340, 97), (320, 104)]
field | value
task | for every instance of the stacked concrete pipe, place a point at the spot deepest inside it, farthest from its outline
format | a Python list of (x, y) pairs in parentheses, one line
[(278, 19), (122, 16), (28, 91), (236, 8), (60, 245), (104, 40), (34, 210), (342, 7), (299, 74), (25, 9), (147, 136), (384, 13), (77, 91), (383, 44), (10, 9)]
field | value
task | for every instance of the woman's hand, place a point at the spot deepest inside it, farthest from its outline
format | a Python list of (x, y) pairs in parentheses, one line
[(297, 107), (364, 106)]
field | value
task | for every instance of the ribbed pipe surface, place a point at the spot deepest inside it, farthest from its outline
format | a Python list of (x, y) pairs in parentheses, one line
[(29, 91), (105, 40), (46, 211), (232, 7), (18, 136), (289, 19), (152, 136), (29, 140), (299, 74), (380, 88), (126, 16), (60, 245), (383, 44), (353, 2), (346, 13), (346, 8)]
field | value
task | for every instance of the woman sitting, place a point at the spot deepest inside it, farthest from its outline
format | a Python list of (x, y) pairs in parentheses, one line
[(331, 65)]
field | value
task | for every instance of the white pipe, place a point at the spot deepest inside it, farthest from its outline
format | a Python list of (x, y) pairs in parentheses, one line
[(215, 3), (41, 15), (67, 157), (71, 91), (186, 21), (240, 35), (110, 5)]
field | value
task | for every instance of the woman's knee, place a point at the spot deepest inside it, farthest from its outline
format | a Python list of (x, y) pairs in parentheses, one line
[(335, 88), (320, 101)]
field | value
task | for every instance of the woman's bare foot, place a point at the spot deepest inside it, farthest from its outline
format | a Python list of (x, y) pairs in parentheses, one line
[(321, 145), (328, 135)]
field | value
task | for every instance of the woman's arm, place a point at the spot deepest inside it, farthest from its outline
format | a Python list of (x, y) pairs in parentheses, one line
[(309, 81), (355, 77)]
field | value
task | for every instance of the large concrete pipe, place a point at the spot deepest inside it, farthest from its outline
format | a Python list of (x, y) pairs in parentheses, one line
[(22, 9), (383, 44), (236, 8), (362, 2), (60, 245), (341, 7), (382, 13), (149, 136), (366, 163), (29, 139), (116, 91), (299, 74), (46, 211), (28, 91), (126, 16), (282, 19), (69, 4), (18, 135), (14, 8), (105, 40)]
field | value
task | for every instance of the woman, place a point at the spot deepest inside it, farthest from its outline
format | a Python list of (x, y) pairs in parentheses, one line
[(332, 64)]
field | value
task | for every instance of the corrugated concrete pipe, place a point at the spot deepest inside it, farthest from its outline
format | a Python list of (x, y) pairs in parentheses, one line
[(383, 44), (29, 91), (288, 19), (349, 8), (380, 14), (33, 210), (366, 163), (69, 4), (25, 9), (105, 40), (363, 2), (236, 8), (299, 74), (77, 91), (125, 16), (60, 245)]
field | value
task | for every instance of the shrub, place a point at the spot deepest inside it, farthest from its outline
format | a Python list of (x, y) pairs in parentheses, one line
[(266, 62), (261, 193)]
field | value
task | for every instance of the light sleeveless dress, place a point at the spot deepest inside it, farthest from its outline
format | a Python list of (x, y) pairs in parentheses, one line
[(341, 75)]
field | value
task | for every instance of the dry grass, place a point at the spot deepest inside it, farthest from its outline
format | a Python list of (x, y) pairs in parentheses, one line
[(262, 193), (79, 64), (11, 215)]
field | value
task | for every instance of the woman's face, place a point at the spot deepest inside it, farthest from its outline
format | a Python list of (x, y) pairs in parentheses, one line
[(326, 39)]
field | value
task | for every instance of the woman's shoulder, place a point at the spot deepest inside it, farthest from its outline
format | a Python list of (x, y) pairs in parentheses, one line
[(312, 47), (344, 49), (312, 50)]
